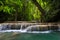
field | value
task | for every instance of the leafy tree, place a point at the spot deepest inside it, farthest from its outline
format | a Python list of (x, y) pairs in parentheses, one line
[(28, 10), (48, 8)]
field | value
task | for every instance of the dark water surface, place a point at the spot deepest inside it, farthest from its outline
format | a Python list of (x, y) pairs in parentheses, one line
[(26, 36)]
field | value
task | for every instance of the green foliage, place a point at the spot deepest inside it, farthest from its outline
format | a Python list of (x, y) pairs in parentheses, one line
[(25, 10), (51, 8)]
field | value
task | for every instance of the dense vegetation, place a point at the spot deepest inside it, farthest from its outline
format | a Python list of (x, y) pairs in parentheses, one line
[(28, 10)]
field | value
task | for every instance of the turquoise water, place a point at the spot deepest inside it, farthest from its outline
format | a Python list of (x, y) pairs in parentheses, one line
[(26, 36)]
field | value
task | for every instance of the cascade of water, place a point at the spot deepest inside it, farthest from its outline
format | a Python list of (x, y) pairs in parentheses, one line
[(36, 29), (0, 27), (21, 27), (39, 28)]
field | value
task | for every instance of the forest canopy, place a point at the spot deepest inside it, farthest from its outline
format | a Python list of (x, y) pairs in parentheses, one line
[(28, 10)]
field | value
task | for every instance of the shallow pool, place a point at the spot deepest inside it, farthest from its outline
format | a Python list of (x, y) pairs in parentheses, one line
[(26, 36)]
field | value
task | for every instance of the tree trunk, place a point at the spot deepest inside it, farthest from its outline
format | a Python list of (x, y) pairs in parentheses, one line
[(40, 9), (16, 16)]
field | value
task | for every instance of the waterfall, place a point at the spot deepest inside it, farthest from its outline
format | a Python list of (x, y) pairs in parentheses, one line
[(0, 27), (47, 31), (26, 29)]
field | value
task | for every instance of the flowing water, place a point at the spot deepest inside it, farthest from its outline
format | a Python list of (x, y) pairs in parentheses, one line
[(29, 36), (29, 29)]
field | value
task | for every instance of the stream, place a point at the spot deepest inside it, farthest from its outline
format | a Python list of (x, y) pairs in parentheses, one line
[(26, 29)]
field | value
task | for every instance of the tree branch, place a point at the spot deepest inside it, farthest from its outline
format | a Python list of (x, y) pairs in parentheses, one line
[(39, 7)]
